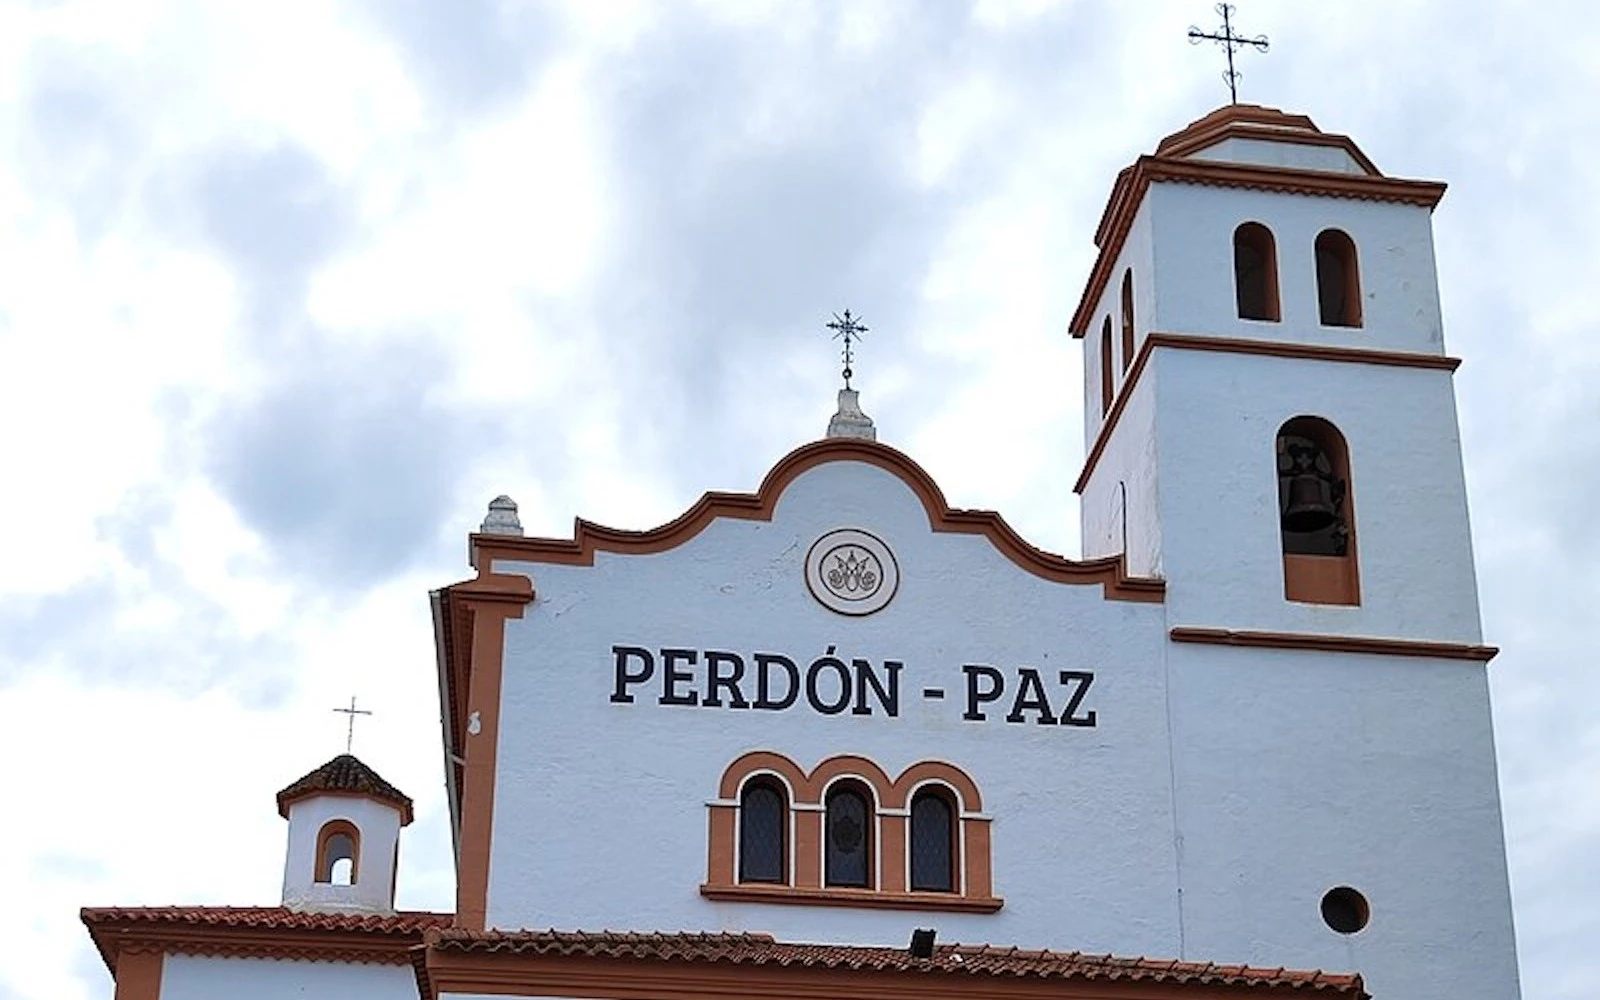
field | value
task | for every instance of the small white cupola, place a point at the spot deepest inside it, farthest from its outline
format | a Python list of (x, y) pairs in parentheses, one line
[(344, 838)]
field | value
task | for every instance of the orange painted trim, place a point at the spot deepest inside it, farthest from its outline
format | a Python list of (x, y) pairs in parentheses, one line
[(889, 837), (1132, 184), (132, 943), (323, 872), (138, 975), (899, 796), (872, 899), (1198, 140), (492, 600), (507, 973), (1241, 345), (588, 538), (1335, 643)]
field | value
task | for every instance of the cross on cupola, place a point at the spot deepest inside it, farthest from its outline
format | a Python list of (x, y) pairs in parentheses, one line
[(350, 727), (1225, 37)]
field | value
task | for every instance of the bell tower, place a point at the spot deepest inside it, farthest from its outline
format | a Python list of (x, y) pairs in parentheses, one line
[(1269, 410), (1270, 425), (344, 838)]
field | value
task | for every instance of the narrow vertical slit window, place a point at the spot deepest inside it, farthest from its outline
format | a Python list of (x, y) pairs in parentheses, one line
[(1255, 272), (1338, 279), (1107, 379), (848, 838), (933, 838), (763, 822), (1127, 319)]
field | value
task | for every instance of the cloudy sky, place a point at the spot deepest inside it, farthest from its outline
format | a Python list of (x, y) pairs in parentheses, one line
[(289, 290)]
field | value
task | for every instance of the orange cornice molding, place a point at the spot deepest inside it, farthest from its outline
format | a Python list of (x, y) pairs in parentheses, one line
[(258, 932), (1128, 193), (1241, 345), (1335, 643), (589, 538)]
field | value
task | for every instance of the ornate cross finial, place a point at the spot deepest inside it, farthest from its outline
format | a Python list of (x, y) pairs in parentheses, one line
[(350, 730), (1230, 41), (849, 327)]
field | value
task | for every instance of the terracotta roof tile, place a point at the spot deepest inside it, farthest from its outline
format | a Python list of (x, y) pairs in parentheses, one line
[(345, 774), (266, 917), (259, 931), (955, 959)]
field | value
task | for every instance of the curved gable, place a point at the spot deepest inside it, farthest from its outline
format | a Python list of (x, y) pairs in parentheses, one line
[(589, 538)]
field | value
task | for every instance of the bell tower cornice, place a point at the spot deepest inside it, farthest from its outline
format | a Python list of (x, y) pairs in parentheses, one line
[(1248, 147)]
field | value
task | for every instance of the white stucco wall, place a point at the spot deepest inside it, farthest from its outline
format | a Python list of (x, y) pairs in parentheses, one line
[(600, 810), (189, 977), (1298, 772), (1192, 234), (1221, 793), (1274, 153), (1128, 475), (379, 825), (1219, 417), (1136, 254)]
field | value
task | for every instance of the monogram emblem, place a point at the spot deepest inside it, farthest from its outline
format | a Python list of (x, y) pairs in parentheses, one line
[(851, 572)]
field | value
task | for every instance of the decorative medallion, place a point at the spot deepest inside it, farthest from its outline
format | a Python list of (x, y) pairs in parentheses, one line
[(851, 572)]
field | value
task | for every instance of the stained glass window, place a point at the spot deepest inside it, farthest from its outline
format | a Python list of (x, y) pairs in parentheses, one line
[(849, 839), (762, 819), (932, 839)]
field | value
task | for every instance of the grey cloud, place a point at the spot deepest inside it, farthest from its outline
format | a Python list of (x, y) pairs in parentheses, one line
[(274, 213), (80, 140), (192, 650), (469, 54), (737, 241), (344, 464)]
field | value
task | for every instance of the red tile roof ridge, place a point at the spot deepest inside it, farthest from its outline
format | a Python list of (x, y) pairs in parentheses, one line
[(992, 960), (267, 916)]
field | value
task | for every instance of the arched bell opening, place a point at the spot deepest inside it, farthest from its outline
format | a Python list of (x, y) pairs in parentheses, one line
[(1255, 272), (1338, 279), (1316, 514)]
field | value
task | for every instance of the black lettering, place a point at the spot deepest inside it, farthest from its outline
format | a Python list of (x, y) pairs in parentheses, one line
[(619, 693), (889, 699), (977, 695), (828, 661), (671, 677), (1031, 697), (1082, 678), (763, 684), (716, 680)]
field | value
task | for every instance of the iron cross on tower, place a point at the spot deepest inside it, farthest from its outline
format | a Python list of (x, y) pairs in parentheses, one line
[(849, 327), (350, 728), (1230, 41)]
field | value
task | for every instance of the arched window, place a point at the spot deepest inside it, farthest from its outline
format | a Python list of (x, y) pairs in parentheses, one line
[(763, 823), (1338, 279), (1316, 522), (1107, 385), (933, 839), (1255, 272), (338, 847), (1127, 318), (847, 839)]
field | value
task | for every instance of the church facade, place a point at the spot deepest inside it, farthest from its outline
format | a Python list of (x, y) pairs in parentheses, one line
[(833, 738)]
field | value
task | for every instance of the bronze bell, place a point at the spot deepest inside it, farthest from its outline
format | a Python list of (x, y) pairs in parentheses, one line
[(1310, 504)]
